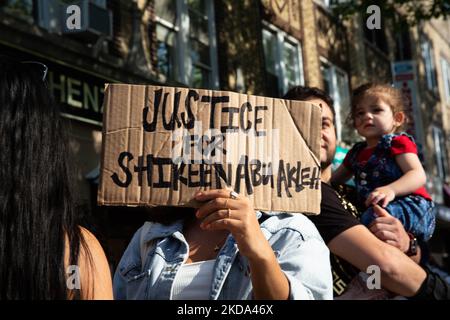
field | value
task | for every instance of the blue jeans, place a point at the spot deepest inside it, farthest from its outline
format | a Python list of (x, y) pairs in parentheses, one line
[(414, 212)]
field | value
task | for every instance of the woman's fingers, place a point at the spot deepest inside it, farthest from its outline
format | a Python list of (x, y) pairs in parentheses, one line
[(214, 205), (206, 195), (232, 225), (217, 215)]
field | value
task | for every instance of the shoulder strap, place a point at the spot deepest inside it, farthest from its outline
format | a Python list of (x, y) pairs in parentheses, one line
[(353, 152), (144, 246), (409, 136)]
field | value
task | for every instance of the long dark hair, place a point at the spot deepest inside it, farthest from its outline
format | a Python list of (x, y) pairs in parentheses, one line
[(37, 209)]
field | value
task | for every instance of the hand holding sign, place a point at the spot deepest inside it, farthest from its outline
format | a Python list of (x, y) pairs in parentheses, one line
[(221, 212)]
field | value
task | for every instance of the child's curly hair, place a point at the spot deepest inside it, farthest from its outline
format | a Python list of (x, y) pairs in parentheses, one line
[(390, 95)]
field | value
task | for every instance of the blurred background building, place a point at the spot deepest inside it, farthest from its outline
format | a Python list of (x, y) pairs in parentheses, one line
[(260, 47)]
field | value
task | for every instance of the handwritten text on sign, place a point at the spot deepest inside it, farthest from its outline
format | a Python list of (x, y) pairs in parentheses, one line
[(185, 139)]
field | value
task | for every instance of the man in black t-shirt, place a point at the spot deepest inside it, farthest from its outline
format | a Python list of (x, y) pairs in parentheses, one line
[(353, 246)]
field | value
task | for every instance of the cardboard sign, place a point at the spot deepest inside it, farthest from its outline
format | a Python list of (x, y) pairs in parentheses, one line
[(161, 145)]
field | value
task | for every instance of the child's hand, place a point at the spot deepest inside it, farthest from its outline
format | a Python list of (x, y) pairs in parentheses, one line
[(382, 194)]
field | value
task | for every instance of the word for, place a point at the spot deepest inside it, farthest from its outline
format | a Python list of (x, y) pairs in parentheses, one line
[(212, 145)]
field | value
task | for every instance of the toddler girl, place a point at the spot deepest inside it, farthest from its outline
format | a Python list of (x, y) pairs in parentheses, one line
[(386, 167)]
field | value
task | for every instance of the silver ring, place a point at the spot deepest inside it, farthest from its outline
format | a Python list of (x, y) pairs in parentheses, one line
[(234, 195)]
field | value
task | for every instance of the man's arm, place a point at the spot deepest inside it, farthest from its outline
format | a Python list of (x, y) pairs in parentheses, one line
[(358, 246)]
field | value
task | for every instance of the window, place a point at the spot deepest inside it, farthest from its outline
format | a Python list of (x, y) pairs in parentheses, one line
[(376, 37), (335, 83), (428, 58), (283, 61), (441, 153), (100, 3), (332, 3), (186, 49), (19, 8), (402, 39), (403, 42), (445, 66)]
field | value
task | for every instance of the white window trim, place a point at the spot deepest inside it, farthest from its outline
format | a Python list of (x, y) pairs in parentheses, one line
[(279, 61), (429, 63), (445, 71), (438, 138), (166, 24), (213, 44), (335, 95), (184, 61)]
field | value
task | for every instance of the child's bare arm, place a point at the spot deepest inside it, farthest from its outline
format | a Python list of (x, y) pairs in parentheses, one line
[(341, 175), (413, 174), (413, 178)]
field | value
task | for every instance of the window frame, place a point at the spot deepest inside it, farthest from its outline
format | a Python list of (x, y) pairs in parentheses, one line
[(335, 94), (445, 72), (280, 68), (441, 153), (428, 60), (182, 35), (29, 18)]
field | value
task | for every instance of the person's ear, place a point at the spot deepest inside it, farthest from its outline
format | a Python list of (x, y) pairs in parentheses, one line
[(399, 118)]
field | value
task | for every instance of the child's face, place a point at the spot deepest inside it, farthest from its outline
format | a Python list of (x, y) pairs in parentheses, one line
[(374, 118)]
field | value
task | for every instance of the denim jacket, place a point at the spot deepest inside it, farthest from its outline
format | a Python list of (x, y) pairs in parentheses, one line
[(300, 250)]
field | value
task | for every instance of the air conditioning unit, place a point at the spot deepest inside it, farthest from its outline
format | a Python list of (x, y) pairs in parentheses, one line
[(95, 21), (82, 19)]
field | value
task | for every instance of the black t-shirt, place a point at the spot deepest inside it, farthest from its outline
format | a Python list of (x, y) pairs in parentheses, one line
[(337, 214)]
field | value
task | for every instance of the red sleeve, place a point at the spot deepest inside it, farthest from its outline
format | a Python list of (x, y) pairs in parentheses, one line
[(402, 144)]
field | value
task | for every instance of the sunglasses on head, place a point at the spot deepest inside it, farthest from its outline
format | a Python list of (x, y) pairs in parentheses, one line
[(43, 67)]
